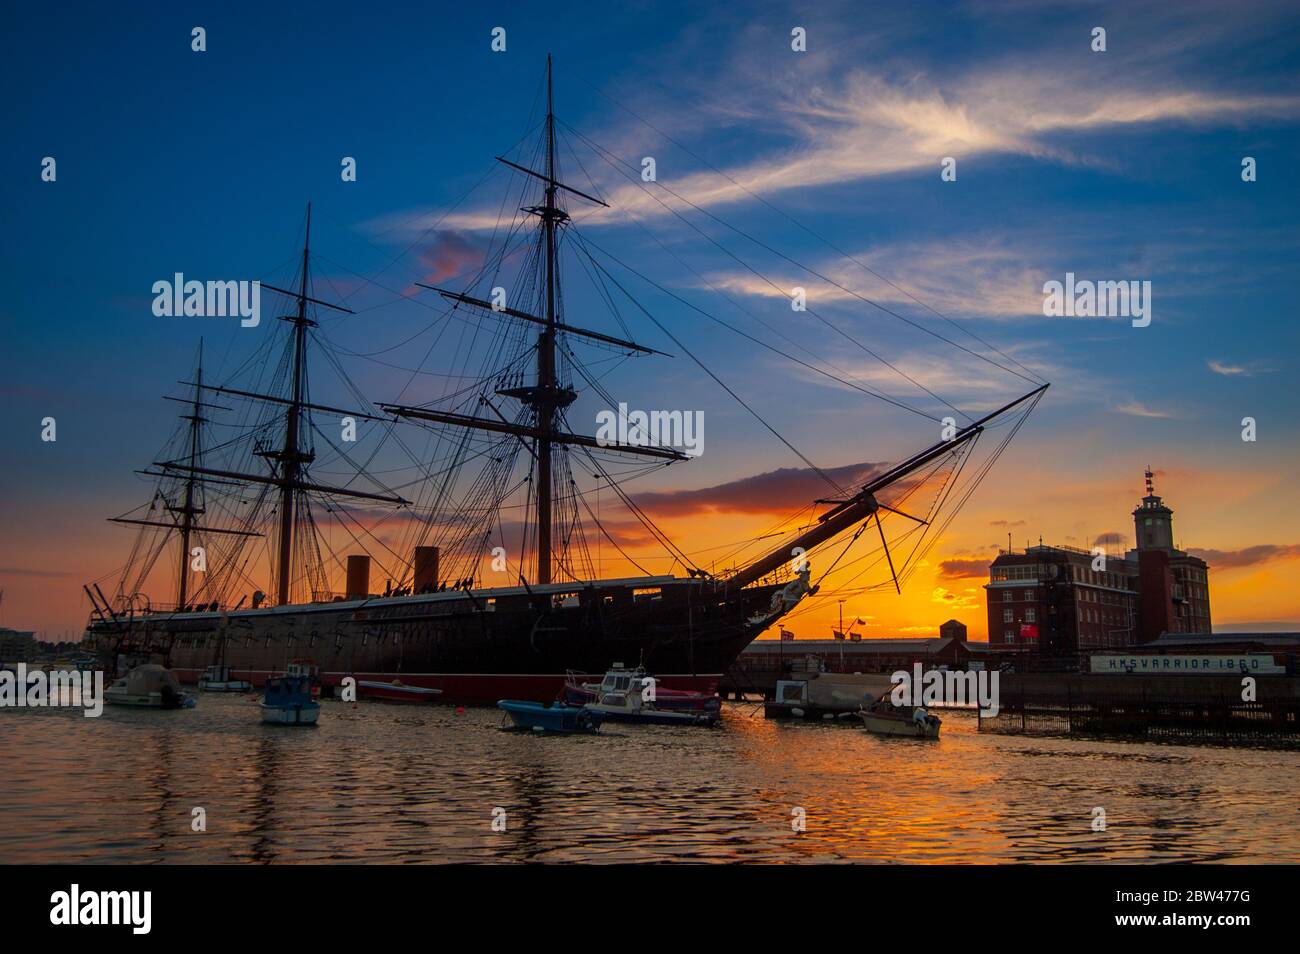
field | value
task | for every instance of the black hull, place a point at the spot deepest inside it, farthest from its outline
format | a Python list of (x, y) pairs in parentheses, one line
[(687, 631)]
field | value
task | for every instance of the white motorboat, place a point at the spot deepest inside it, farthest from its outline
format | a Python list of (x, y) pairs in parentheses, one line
[(884, 718), (825, 696), (632, 706), (148, 687), (217, 679)]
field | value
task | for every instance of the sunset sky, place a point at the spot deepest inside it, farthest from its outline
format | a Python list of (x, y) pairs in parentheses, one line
[(1116, 165)]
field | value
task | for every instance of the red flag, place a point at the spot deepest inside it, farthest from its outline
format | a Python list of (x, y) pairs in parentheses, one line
[(1028, 630)]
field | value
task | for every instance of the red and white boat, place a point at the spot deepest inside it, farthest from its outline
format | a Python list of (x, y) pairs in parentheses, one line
[(395, 691), (622, 680)]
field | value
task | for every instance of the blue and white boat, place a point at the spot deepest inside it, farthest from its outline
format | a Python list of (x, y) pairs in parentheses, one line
[(287, 701), (556, 718), (632, 706)]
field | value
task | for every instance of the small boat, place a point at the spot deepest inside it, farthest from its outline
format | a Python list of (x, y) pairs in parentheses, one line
[(307, 669), (287, 701), (620, 679), (217, 679), (556, 718), (826, 696), (631, 706), (149, 687), (884, 718), (395, 691)]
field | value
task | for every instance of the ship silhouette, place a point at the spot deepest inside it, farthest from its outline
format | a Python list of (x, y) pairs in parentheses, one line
[(500, 444)]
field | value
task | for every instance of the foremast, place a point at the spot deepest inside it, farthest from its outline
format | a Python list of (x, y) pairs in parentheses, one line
[(291, 460), (186, 520)]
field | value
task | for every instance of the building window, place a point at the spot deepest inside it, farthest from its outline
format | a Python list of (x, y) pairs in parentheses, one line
[(1010, 635), (1006, 616), (1029, 595), (1031, 616), (1008, 595)]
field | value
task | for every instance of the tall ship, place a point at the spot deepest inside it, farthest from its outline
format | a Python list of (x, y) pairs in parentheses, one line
[(483, 529)]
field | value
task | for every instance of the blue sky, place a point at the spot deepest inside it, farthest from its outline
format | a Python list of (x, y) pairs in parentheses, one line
[(1116, 165)]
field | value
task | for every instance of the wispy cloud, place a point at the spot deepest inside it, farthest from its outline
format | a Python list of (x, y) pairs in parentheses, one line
[(1247, 556), (844, 124), (778, 491), (976, 275), (962, 569), (1138, 409), (1229, 370), (1234, 370)]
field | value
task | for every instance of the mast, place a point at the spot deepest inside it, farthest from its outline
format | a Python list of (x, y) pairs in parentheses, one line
[(188, 512), (185, 519), (548, 396), (291, 459), (290, 476), (546, 354)]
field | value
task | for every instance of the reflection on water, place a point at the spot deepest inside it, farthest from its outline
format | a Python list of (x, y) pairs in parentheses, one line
[(391, 784)]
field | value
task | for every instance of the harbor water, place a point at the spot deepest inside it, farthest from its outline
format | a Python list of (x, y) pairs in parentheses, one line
[(393, 784)]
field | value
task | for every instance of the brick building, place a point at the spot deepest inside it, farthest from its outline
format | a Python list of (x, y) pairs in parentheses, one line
[(1062, 600)]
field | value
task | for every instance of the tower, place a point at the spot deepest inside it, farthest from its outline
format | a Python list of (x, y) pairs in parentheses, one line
[(1153, 522)]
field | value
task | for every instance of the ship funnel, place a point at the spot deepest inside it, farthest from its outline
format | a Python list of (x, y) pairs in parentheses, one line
[(358, 577), (426, 570)]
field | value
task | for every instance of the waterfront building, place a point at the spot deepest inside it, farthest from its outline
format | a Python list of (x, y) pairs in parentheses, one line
[(16, 645), (953, 629), (1061, 600)]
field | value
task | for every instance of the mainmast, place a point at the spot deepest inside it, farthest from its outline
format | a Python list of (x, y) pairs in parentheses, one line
[(290, 457), (546, 353), (548, 397)]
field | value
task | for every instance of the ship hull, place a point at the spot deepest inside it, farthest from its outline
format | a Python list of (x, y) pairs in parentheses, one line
[(476, 647)]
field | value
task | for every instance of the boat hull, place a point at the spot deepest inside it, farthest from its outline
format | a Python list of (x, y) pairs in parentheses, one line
[(667, 699), (904, 727), (291, 715), (807, 711), (556, 718), (240, 685), (148, 700), (658, 717), (477, 648), (381, 691)]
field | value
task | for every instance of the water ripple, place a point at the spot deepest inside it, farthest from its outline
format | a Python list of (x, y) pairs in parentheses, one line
[(400, 785)]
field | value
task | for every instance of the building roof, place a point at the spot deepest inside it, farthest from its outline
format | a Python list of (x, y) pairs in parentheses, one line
[(1208, 640), (929, 644)]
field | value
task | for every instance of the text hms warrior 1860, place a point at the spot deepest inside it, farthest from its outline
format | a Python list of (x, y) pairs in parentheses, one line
[(496, 444)]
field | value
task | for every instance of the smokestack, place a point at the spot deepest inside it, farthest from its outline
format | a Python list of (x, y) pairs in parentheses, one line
[(358, 577), (426, 570)]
